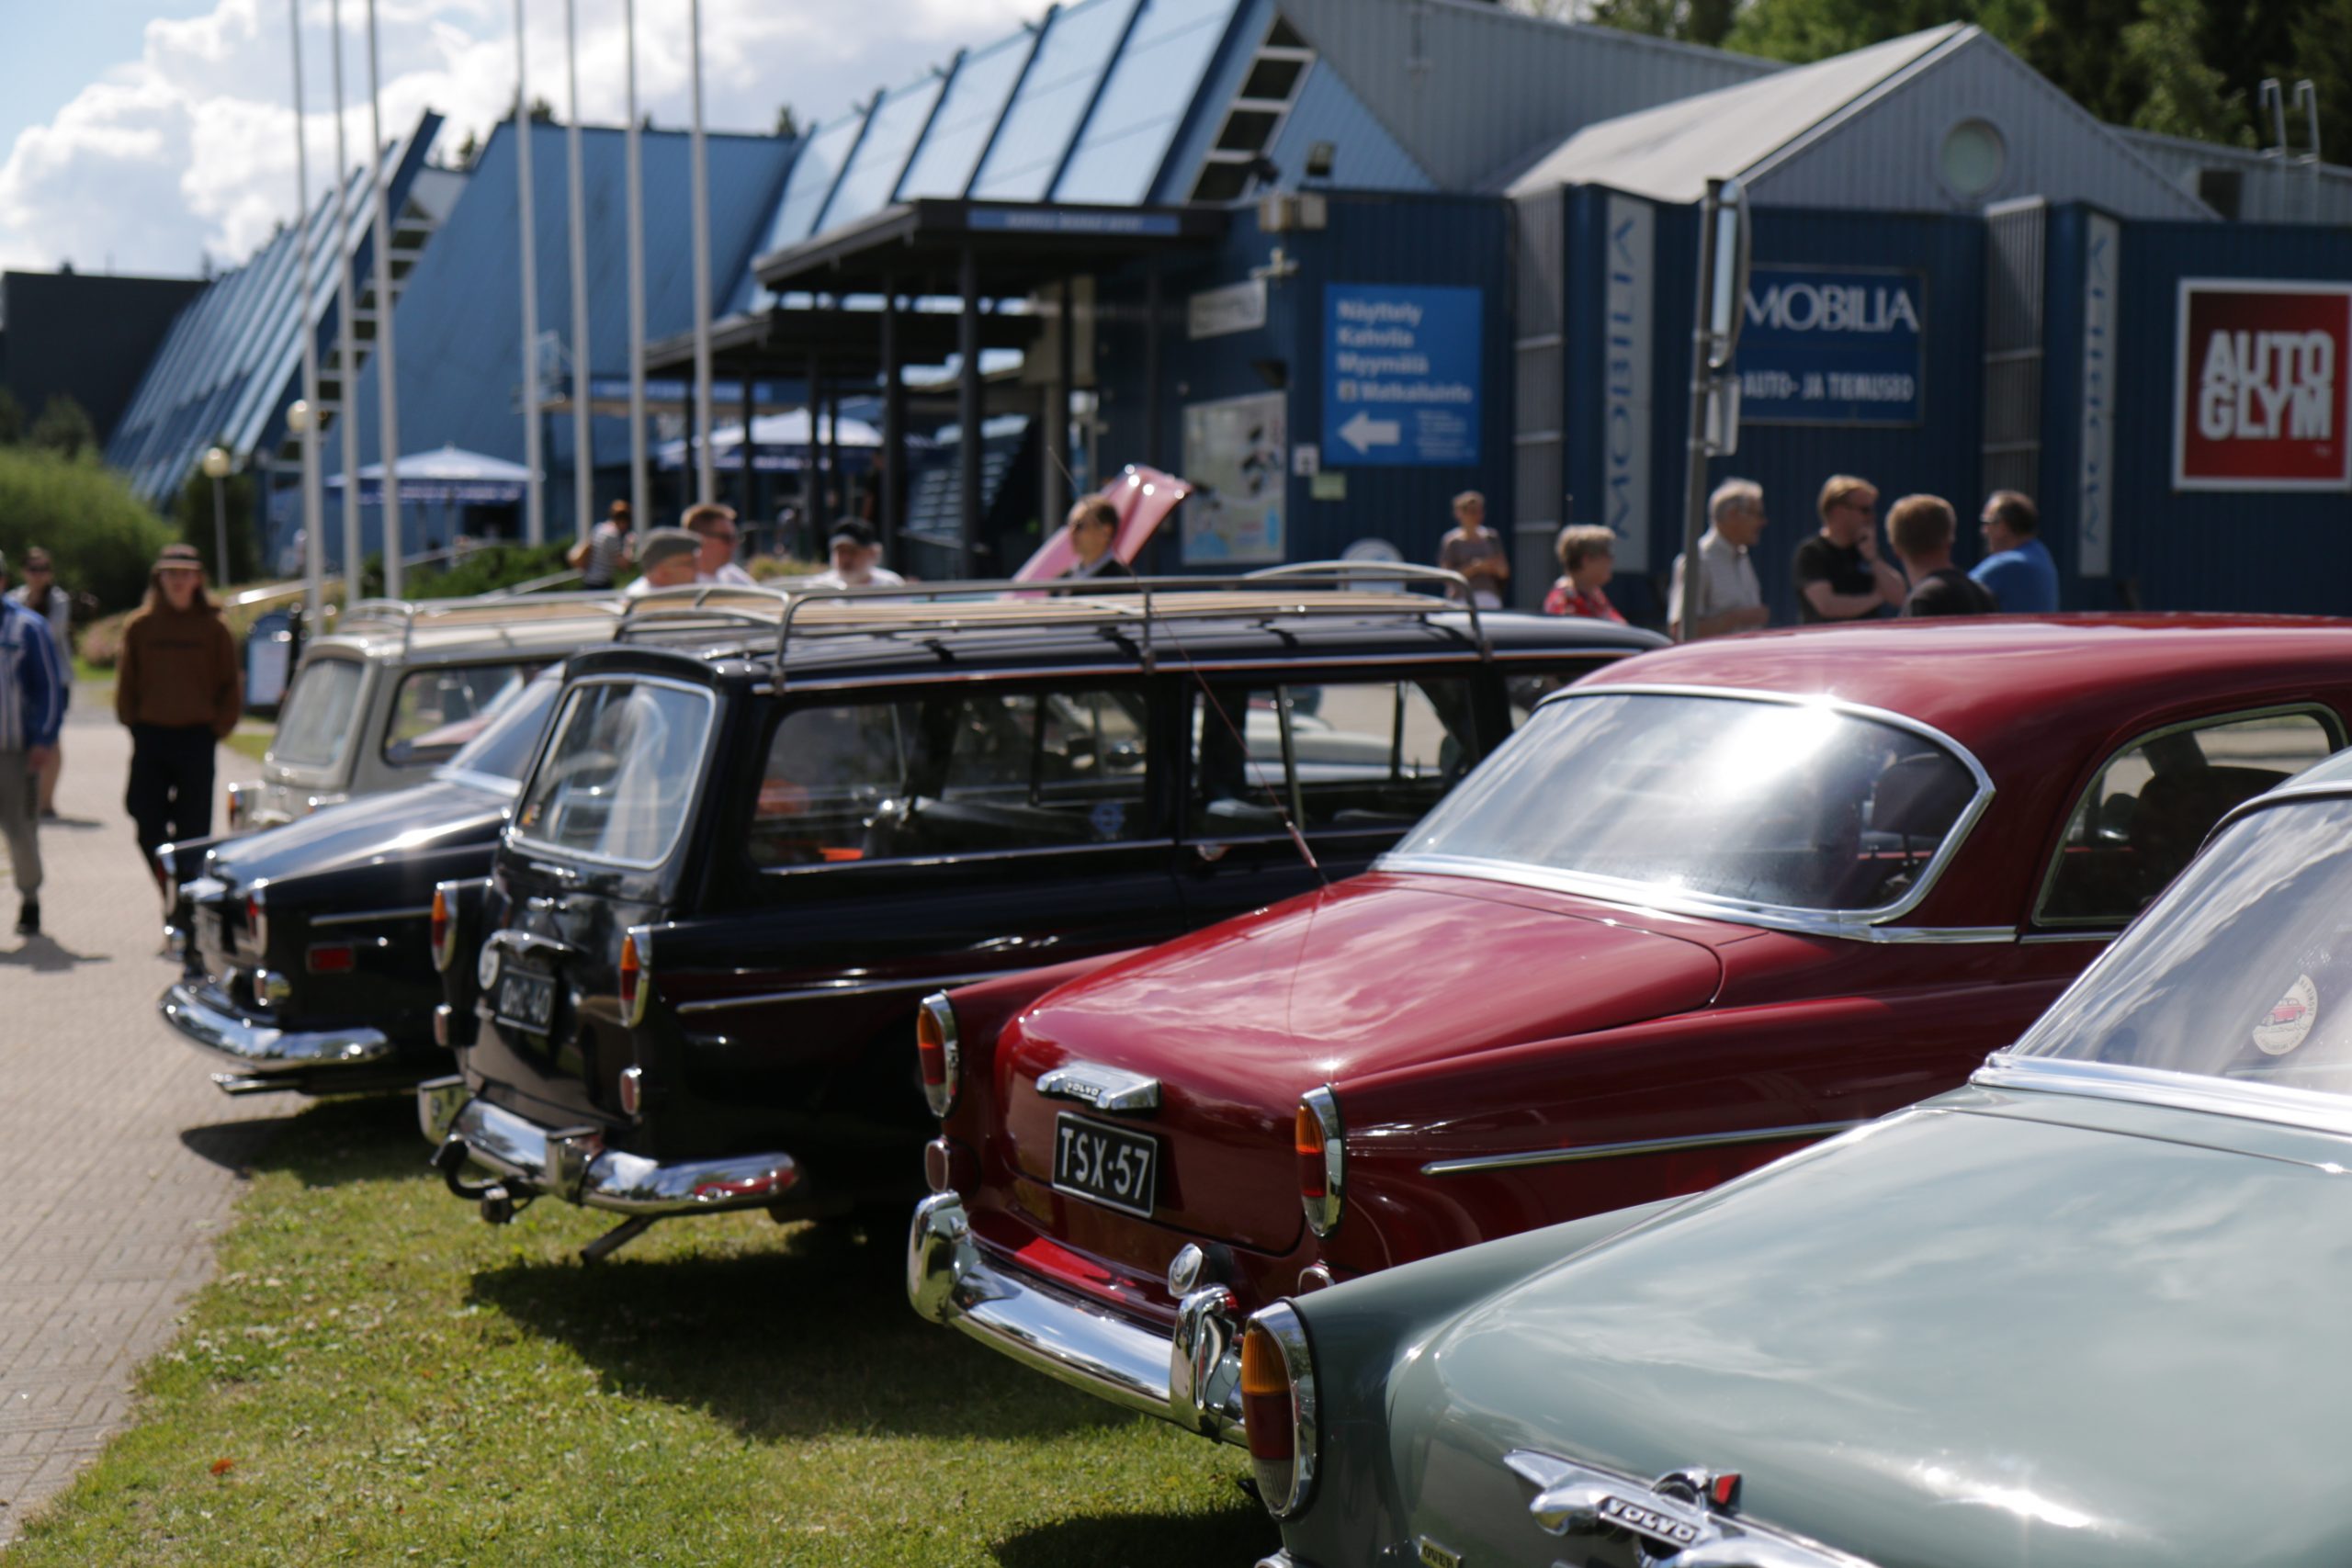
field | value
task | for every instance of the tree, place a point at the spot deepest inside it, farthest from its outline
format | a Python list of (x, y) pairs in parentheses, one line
[(787, 122), (2321, 49), (468, 150), (63, 428), (192, 521), (542, 112), (2186, 94), (12, 419)]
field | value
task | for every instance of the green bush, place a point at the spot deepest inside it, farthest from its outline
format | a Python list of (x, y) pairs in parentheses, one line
[(102, 537), (192, 517), (484, 571)]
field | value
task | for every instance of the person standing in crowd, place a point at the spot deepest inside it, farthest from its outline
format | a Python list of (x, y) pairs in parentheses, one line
[(605, 550), (1726, 598), (856, 556), (2018, 572), (41, 595), (714, 526), (1475, 551), (178, 689), (1093, 529), (1588, 561), (670, 557), (1838, 574), (1921, 527), (32, 705)]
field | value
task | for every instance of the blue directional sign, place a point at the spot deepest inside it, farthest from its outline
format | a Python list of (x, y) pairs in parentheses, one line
[(1831, 345), (1400, 375)]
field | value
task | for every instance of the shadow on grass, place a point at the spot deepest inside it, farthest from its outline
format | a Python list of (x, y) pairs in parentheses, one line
[(811, 1340), (324, 1143), (1238, 1535)]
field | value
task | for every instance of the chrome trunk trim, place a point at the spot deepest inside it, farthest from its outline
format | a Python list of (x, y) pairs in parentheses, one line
[(1639, 1146), (1105, 1089), (1061, 1333), (369, 917)]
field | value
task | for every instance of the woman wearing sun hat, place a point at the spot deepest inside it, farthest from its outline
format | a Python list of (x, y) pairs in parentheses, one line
[(178, 689)]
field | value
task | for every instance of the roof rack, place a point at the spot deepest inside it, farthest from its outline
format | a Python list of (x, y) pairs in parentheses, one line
[(707, 604), (1141, 602), (405, 614)]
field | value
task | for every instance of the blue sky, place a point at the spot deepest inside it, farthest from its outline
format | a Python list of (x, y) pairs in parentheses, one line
[(148, 136)]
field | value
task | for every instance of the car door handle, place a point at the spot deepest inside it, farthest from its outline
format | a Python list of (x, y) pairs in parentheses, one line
[(1209, 855)]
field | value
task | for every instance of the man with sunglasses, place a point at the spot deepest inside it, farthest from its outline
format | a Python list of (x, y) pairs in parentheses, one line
[(714, 526), (41, 595), (1838, 574)]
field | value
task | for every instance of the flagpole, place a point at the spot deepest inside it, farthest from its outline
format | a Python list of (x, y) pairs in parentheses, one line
[(705, 489), (535, 518), (346, 397), (639, 503), (313, 509), (584, 437), (388, 398)]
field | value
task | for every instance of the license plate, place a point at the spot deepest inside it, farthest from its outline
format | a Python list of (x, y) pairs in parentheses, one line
[(208, 929), (1105, 1164), (523, 1000)]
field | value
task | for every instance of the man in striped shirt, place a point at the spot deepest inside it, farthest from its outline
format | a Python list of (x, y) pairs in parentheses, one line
[(32, 705)]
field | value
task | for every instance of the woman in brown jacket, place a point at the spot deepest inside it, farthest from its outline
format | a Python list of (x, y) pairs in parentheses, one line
[(179, 688)]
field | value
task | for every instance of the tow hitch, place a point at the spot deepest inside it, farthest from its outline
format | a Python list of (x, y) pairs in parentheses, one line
[(498, 1205)]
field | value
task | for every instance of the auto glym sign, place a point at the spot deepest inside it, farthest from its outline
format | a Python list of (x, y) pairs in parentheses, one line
[(1400, 375), (1833, 346), (2260, 386)]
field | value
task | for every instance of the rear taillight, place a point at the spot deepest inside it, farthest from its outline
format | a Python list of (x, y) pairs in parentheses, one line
[(637, 989), (334, 958), (444, 930), (939, 1051), (1278, 1409), (1322, 1159)]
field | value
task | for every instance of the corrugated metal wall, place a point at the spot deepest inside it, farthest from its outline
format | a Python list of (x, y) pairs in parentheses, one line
[(1886, 155), (1372, 238)]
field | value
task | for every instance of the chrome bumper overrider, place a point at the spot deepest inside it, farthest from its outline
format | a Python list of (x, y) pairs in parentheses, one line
[(260, 1051), (574, 1165), (1192, 1378)]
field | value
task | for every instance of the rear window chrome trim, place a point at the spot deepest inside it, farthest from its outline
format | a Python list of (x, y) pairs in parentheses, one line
[(1861, 925), (2312, 1110), (516, 836)]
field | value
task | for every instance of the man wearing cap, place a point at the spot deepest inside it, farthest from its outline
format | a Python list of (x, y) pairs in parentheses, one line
[(32, 703), (178, 689), (856, 560), (665, 559), (41, 595), (714, 526)]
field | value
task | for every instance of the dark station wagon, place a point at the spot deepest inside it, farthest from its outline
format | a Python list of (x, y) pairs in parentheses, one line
[(751, 842)]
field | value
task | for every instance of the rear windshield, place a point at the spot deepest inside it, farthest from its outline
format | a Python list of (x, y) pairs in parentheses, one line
[(437, 710), (320, 714), (1792, 805), (502, 749), (2242, 969), (616, 781)]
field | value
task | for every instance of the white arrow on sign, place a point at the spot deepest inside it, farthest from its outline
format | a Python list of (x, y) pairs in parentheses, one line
[(1364, 432)]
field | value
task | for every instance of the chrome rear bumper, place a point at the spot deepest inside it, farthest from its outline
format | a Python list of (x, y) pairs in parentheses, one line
[(1191, 1378), (261, 1052), (572, 1163)]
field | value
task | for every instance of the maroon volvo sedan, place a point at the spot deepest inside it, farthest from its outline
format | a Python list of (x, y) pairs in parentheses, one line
[(1709, 905)]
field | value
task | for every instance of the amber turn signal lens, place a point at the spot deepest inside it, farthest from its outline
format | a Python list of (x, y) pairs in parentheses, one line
[(939, 1053), (632, 983), (442, 931), (1265, 1399), (1308, 1141)]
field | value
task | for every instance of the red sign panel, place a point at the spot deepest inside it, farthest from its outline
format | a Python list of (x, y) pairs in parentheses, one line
[(2261, 385)]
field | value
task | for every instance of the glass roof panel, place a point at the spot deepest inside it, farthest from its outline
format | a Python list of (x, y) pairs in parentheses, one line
[(873, 172), (942, 164), (1155, 80), (1054, 96), (811, 181)]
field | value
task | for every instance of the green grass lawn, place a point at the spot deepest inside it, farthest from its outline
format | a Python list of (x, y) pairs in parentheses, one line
[(375, 1376), (251, 738)]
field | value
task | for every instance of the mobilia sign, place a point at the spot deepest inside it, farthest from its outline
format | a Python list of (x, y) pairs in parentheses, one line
[(1828, 345), (2259, 394)]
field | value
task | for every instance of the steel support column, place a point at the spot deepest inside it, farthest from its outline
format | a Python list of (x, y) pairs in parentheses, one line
[(967, 412)]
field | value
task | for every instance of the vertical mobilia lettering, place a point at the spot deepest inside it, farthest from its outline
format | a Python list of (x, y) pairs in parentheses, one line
[(1627, 316), (2093, 484)]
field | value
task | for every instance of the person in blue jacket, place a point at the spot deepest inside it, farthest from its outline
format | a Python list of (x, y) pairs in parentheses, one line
[(2017, 567), (32, 705)]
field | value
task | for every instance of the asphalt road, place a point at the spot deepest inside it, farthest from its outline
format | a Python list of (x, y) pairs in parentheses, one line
[(118, 1159)]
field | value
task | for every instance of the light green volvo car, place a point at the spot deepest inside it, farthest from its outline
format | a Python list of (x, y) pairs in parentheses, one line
[(2089, 1312)]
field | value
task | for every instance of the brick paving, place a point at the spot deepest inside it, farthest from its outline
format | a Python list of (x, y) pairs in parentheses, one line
[(118, 1157)]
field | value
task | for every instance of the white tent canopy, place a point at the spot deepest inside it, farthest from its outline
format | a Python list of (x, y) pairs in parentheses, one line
[(445, 474)]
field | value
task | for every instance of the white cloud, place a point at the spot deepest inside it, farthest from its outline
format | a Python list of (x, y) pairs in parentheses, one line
[(188, 151)]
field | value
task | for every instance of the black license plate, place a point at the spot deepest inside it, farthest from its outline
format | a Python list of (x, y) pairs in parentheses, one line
[(1106, 1165), (523, 1000)]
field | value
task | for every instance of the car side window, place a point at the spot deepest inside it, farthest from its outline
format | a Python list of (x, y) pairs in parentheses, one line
[(435, 711), (1340, 755), (968, 771), (2151, 806)]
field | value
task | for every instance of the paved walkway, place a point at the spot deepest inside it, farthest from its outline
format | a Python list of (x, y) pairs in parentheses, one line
[(117, 1157)]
